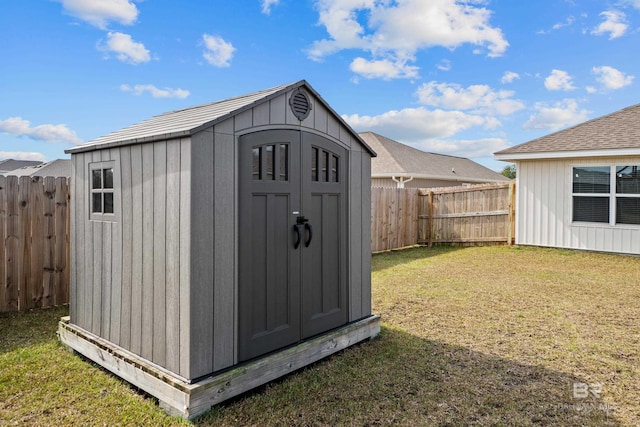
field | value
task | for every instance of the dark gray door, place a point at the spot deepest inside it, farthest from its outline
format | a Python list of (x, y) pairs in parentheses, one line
[(292, 244)]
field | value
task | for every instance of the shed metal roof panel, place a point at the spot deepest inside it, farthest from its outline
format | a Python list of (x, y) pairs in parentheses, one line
[(181, 122)]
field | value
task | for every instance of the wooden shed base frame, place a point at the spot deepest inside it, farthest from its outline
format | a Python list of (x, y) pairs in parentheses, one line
[(188, 400)]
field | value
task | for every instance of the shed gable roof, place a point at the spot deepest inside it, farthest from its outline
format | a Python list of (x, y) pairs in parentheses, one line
[(397, 159), (616, 131), (187, 121)]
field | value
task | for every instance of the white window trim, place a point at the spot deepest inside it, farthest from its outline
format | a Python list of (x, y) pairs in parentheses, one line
[(612, 195), (99, 216)]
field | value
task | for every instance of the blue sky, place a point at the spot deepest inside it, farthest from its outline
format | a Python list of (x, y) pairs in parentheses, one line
[(465, 78)]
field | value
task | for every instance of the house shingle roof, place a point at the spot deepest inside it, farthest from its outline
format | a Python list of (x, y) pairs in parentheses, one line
[(618, 130), (395, 158), (9, 165), (58, 167)]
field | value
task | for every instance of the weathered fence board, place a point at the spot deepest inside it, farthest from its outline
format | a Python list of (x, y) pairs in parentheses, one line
[(34, 246), (477, 214), (394, 218)]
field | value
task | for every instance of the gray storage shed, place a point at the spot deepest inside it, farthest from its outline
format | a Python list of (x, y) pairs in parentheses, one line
[(231, 234)]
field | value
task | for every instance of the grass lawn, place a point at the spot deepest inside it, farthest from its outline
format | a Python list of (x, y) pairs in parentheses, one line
[(471, 336)]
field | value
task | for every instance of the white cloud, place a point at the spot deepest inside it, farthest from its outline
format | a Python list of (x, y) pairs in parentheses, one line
[(614, 24), (570, 20), (397, 30), (591, 89), (632, 3), (444, 65), (559, 80), (218, 52), (383, 68), (556, 116), (125, 49), (22, 155), (47, 132), (156, 92), (509, 76), (267, 4), (479, 98), (612, 78), (99, 12), (416, 123), (472, 148)]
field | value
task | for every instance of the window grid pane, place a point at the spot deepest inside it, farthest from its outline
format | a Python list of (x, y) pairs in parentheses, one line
[(325, 166), (108, 203), (257, 163), (108, 177), (592, 179), (628, 210), (96, 205), (284, 162), (591, 209), (96, 181), (628, 179), (314, 164), (269, 160), (334, 169)]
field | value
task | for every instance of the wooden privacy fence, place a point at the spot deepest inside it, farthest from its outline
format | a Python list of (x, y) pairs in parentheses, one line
[(34, 251), (478, 214)]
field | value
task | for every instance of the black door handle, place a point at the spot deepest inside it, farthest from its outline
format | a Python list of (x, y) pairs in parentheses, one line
[(308, 228), (296, 228)]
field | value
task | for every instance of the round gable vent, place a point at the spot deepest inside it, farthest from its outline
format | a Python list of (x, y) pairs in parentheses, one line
[(300, 105)]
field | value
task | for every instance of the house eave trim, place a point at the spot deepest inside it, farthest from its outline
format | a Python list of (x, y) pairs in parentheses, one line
[(508, 157)]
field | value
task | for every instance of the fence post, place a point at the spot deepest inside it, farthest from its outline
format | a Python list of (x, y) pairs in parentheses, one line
[(3, 216), (512, 224), (430, 219)]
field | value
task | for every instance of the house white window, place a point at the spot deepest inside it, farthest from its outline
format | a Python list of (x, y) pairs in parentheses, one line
[(606, 194), (101, 188)]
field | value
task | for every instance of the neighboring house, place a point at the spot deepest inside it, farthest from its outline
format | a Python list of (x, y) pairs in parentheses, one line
[(9, 165), (579, 188), (55, 168), (401, 166)]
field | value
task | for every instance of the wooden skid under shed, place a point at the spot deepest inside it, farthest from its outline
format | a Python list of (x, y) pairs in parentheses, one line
[(180, 398)]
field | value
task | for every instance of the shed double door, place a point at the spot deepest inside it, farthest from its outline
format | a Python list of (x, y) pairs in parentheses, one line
[(292, 239)]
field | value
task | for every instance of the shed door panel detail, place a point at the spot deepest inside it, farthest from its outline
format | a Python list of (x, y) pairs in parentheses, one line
[(292, 231)]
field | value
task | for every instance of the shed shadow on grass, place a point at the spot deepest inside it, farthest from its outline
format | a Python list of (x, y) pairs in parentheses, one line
[(399, 378)]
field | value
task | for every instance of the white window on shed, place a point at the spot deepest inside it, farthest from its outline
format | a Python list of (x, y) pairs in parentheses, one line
[(101, 188)]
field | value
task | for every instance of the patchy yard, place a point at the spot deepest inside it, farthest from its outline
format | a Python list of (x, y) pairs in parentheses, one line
[(484, 336)]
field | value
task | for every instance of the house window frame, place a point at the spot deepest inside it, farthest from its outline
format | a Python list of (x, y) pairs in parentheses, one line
[(102, 216), (612, 195)]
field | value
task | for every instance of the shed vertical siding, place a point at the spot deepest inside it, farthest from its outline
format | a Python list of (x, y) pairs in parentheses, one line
[(544, 203), (202, 253), (127, 281), (359, 234), (224, 299)]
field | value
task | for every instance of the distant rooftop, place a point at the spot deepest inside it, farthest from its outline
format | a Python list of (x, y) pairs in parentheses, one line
[(9, 165), (395, 158), (56, 168)]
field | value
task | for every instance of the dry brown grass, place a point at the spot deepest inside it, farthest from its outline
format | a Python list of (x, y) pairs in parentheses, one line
[(474, 336)]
